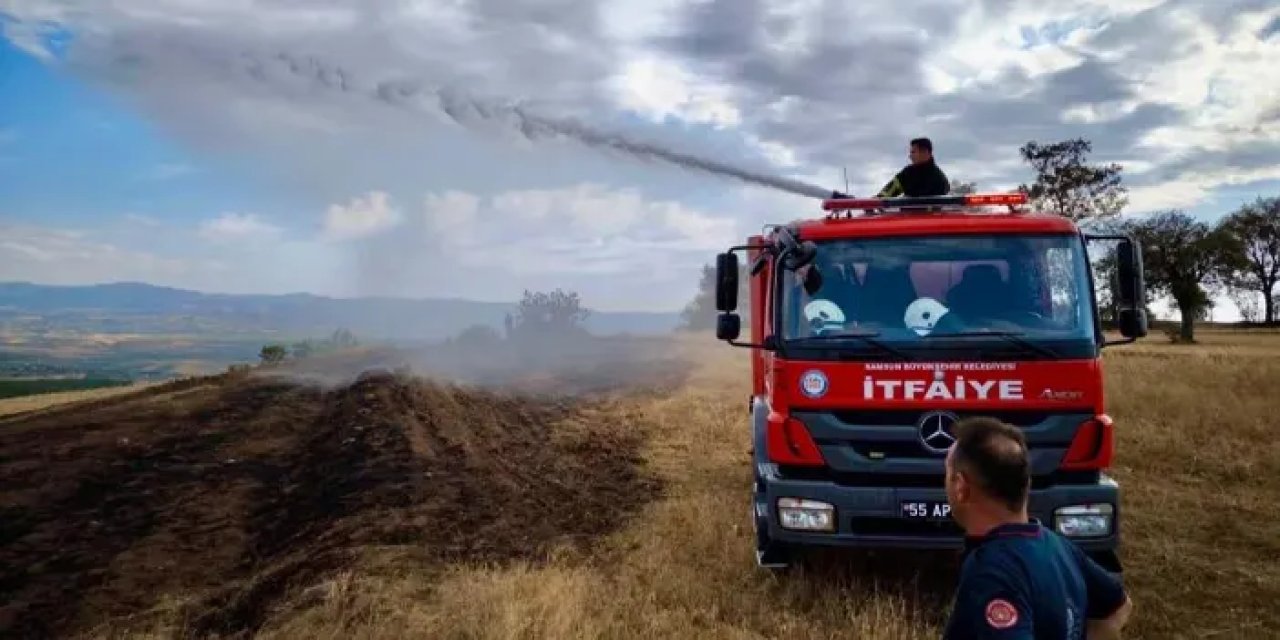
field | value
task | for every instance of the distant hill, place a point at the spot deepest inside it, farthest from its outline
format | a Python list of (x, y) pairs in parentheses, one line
[(144, 308)]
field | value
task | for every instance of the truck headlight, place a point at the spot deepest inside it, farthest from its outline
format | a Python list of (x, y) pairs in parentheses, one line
[(806, 515), (1084, 520)]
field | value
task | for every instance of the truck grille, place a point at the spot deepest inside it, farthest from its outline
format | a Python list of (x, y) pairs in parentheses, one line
[(864, 441), (922, 480)]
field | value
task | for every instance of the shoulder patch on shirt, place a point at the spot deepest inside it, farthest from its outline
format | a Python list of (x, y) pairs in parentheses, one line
[(1001, 614)]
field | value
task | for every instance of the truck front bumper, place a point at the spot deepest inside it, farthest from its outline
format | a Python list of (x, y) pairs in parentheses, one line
[(872, 516)]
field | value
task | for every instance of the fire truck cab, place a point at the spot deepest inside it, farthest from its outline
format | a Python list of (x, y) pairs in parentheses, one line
[(878, 326)]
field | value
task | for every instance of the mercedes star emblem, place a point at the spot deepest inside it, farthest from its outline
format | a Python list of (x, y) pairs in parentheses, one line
[(935, 430)]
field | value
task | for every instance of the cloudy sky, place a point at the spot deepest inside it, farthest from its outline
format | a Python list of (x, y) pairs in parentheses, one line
[(401, 147)]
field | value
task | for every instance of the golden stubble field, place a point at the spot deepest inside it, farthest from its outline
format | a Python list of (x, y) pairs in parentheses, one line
[(26, 404), (1197, 459)]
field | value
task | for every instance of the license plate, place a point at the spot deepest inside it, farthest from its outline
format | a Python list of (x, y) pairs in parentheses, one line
[(926, 510)]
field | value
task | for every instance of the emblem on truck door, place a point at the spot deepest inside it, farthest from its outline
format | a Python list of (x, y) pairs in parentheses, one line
[(935, 430), (814, 384)]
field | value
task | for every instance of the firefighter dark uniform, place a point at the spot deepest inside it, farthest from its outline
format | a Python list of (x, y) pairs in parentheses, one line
[(1024, 581), (917, 180)]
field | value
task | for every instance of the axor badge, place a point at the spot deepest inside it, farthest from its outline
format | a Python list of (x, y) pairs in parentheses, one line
[(814, 384)]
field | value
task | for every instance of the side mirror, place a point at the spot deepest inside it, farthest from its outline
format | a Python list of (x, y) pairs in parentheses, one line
[(1129, 271), (1131, 290), (1133, 322), (812, 281), (726, 281), (728, 326)]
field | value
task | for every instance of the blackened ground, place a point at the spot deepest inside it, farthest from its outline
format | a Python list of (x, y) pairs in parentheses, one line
[(231, 492)]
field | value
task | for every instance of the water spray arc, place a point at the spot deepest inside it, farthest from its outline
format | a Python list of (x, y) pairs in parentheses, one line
[(462, 108)]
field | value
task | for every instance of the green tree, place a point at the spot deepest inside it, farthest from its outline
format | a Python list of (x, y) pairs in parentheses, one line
[(1067, 186), (272, 354), (550, 313), (1106, 279), (343, 338), (700, 313), (1182, 258), (1253, 258)]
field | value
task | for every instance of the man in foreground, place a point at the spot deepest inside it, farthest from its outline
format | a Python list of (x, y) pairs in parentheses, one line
[(921, 178), (1019, 579)]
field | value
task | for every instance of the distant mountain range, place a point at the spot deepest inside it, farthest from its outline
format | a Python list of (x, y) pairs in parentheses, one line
[(144, 308)]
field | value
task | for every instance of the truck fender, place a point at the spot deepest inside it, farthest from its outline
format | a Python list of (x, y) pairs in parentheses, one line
[(770, 554), (759, 453)]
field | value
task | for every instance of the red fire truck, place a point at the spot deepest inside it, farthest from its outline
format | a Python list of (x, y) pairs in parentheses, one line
[(877, 326)]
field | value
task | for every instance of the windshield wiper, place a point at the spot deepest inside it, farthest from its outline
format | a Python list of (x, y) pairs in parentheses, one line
[(862, 336), (1014, 337)]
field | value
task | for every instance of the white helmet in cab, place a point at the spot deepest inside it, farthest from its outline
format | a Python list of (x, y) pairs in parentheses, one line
[(922, 314), (824, 315)]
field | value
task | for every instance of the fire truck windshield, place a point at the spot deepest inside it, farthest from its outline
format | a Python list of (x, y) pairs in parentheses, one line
[(931, 294)]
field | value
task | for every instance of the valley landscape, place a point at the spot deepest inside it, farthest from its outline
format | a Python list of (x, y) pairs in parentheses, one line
[(64, 337)]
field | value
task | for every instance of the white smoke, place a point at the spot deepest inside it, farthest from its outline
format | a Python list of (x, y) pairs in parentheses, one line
[(147, 58)]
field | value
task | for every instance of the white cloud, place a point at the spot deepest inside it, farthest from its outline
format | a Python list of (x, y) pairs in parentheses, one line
[(586, 210), (1224, 82), (1192, 187), (583, 229), (361, 218), (25, 36), (61, 256), (659, 88), (779, 154), (984, 52), (237, 227), (451, 211)]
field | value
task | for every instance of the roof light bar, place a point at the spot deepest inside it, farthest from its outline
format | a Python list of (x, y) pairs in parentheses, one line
[(999, 199), (972, 200)]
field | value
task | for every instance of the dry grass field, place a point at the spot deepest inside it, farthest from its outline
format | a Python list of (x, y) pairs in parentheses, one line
[(24, 404), (1197, 462), (1198, 466)]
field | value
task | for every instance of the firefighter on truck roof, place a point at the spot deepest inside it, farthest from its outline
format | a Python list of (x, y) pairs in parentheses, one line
[(921, 178), (1019, 579)]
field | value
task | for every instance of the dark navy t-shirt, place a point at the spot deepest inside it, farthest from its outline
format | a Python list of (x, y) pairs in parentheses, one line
[(1025, 581)]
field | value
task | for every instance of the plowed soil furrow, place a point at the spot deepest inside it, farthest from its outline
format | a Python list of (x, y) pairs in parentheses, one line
[(234, 494)]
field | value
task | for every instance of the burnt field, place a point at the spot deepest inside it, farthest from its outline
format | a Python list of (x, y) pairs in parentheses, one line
[(201, 506)]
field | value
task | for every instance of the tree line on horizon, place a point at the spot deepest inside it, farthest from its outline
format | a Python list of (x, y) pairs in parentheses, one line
[(1185, 259), (540, 315)]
